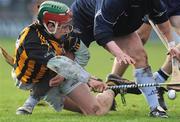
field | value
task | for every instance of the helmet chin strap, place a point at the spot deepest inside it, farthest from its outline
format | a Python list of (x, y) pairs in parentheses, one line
[(55, 28)]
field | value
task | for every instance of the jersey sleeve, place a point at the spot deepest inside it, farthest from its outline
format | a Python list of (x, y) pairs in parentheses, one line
[(82, 55), (35, 50), (106, 16), (158, 12)]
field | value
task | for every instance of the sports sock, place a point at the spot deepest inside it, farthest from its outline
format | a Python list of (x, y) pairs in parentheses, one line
[(31, 102), (160, 76), (144, 76), (176, 37)]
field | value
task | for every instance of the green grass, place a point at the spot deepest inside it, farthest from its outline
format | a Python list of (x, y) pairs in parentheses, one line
[(100, 65)]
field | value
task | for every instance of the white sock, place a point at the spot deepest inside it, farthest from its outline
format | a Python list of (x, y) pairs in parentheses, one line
[(144, 76), (161, 76), (158, 78), (31, 102), (176, 37)]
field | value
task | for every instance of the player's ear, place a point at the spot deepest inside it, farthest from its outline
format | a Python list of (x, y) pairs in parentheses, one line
[(38, 6)]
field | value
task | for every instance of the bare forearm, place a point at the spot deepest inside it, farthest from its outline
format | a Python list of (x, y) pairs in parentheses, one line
[(113, 48), (166, 30)]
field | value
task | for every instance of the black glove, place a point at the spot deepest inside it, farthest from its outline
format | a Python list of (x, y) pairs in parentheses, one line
[(71, 42)]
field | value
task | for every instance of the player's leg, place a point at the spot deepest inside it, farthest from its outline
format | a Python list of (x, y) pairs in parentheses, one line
[(173, 11), (166, 69), (162, 74), (175, 22), (132, 45), (85, 103), (76, 88), (71, 105), (118, 69), (144, 32), (89, 104), (37, 92), (54, 98)]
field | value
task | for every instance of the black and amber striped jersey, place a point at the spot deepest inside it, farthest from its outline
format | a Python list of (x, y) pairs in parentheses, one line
[(34, 48)]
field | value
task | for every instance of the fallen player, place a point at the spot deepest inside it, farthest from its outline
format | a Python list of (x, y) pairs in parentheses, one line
[(49, 60)]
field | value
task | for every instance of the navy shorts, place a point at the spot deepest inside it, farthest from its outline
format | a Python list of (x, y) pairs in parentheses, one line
[(173, 7)]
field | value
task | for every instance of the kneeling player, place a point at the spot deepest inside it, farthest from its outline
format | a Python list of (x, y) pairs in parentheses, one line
[(43, 65)]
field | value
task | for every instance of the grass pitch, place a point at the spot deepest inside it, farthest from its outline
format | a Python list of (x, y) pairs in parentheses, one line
[(100, 64)]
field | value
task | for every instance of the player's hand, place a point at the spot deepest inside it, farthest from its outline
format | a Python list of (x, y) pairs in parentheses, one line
[(114, 49), (97, 86), (123, 57), (178, 55), (174, 53), (56, 81)]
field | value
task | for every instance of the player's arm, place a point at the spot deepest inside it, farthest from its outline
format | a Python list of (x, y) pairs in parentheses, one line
[(40, 53), (165, 29), (159, 17), (74, 45), (105, 18), (115, 50)]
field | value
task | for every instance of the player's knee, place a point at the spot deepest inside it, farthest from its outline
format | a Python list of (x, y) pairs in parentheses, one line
[(144, 39), (141, 58), (95, 109), (143, 36), (91, 110)]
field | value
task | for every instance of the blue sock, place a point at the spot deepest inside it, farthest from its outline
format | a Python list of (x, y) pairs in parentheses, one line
[(31, 102), (144, 76)]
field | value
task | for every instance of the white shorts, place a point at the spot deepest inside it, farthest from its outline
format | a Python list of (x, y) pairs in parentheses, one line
[(74, 74)]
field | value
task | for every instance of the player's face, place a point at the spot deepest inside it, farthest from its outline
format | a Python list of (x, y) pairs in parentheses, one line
[(62, 29), (51, 26)]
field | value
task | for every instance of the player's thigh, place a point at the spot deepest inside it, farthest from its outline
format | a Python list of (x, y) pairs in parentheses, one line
[(71, 105), (84, 99), (132, 45), (144, 32), (175, 22)]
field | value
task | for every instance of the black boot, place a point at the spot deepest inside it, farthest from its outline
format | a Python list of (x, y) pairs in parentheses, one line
[(113, 79), (160, 93)]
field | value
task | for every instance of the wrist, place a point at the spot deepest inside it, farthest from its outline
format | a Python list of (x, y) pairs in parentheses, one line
[(171, 44)]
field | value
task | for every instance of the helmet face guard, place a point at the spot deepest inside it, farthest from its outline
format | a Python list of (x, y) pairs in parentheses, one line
[(61, 21)]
